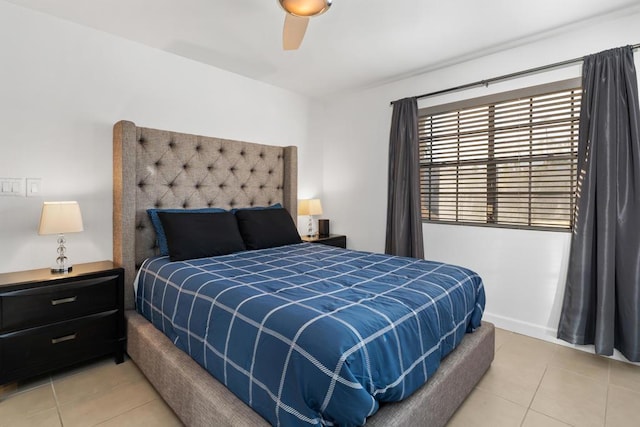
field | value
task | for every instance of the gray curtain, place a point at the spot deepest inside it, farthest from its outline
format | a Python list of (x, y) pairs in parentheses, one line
[(404, 224), (602, 298)]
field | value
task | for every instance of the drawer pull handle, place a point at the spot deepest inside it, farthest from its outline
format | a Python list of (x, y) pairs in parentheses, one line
[(63, 339), (63, 300)]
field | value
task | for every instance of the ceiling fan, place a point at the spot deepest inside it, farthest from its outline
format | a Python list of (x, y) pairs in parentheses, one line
[(297, 17)]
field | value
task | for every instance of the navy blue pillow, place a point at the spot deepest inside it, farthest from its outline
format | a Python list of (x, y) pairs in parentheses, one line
[(267, 228), (199, 235), (257, 208), (161, 238)]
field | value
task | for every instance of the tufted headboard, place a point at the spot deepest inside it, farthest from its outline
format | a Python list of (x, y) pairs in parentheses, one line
[(163, 169)]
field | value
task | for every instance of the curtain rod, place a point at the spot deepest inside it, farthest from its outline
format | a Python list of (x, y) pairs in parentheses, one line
[(507, 76)]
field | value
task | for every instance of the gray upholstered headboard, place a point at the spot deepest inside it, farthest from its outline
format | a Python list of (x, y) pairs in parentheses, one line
[(163, 169)]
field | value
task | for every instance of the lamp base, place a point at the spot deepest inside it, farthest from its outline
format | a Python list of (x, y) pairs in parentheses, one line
[(61, 269), (62, 264)]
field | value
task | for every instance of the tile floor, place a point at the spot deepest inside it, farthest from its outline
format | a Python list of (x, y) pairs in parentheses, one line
[(97, 394), (531, 383)]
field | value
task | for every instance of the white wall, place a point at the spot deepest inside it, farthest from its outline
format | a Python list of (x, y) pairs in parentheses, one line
[(524, 271), (63, 86)]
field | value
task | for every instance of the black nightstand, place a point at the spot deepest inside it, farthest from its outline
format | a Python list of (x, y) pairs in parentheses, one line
[(338, 240), (51, 321)]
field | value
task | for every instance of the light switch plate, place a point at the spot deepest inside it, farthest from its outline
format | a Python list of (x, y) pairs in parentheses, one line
[(34, 187), (11, 187)]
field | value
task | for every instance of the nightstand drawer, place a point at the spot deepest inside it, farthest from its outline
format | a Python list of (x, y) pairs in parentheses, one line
[(337, 240), (46, 304), (38, 350)]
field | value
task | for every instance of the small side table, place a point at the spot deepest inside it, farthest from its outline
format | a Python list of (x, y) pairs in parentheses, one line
[(50, 321)]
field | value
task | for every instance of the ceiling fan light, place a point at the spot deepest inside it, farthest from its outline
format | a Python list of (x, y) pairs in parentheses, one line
[(305, 8)]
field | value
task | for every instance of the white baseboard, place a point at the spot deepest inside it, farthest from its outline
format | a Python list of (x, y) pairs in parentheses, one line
[(543, 333), (520, 327)]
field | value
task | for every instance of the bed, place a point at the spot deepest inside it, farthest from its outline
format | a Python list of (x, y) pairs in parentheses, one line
[(163, 169)]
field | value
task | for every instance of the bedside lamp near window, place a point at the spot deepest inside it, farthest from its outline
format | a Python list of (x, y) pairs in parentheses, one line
[(310, 207), (60, 218)]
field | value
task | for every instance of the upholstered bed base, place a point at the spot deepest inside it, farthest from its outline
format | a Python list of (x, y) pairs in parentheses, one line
[(157, 168), (201, 400)]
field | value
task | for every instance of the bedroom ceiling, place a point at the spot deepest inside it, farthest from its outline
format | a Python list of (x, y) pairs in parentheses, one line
[(356, 44)]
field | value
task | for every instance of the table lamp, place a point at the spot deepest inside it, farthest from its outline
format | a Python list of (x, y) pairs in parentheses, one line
[(310, 207), (60, 218)]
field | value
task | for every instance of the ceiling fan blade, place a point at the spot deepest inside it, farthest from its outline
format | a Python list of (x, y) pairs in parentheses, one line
[(293, 32)]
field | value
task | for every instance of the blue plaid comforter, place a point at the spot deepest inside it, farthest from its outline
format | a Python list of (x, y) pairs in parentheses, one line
[(312, 334)]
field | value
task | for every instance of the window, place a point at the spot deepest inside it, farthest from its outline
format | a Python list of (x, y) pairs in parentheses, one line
[(505, 160)]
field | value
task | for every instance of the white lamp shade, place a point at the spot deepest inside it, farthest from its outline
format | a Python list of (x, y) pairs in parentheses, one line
[(310, 207), (60, 218)]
